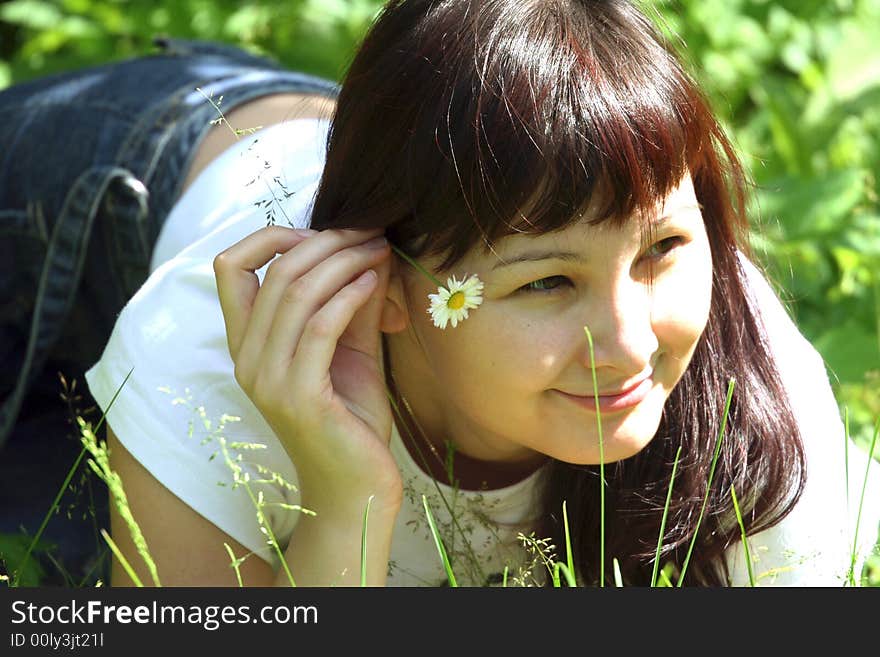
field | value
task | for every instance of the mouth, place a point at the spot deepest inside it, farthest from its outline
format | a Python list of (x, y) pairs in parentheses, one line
[(610, 403)]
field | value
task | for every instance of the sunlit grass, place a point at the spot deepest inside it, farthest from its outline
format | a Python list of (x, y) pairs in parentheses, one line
[(601, 461), (438, 541), (663, 519), (854, 554), (558, 571), (718, 442), (364, 541), (743, 537)]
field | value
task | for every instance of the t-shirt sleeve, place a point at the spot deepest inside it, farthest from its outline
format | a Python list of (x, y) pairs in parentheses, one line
[(815, 543), (180, 412), (176, 412)]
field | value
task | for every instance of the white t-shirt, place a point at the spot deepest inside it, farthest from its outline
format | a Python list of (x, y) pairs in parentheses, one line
[(182, 415)]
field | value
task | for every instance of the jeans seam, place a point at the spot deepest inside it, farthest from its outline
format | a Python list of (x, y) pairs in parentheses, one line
[(41, 327)]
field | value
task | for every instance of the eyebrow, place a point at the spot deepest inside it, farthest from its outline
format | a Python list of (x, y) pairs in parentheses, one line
[(533, 256), (557, 254)]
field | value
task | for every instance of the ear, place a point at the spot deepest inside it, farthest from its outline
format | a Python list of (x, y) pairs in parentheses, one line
[(395, 314)]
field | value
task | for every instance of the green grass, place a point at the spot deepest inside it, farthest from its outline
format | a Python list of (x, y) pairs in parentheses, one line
[(718, 442), (558, 571), (656, 571), (601, 461)]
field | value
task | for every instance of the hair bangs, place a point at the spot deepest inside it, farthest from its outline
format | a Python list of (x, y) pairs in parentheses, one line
[(511, 117), (535, 136)]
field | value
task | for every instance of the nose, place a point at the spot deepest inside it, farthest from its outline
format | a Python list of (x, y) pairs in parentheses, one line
[(620, 323)]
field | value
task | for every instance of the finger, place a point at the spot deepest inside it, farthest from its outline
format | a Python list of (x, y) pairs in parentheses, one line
[(289, 267), (310, 365), (235, 274), (306, 296), (363, 333)]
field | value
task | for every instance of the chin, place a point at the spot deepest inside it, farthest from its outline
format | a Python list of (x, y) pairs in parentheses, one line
[(618, 443), (622, 450), (629, 441)]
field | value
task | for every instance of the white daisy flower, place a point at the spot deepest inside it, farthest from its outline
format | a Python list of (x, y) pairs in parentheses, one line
[(451, 303)]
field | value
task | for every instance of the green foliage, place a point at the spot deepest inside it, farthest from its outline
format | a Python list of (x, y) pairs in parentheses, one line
[(797, 84), (13, 548), (45, 36)]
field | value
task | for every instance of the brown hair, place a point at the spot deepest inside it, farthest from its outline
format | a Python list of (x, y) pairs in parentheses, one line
[(461, 121)]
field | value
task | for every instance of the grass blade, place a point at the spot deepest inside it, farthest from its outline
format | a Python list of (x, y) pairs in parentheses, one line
[(57, 500), (601, 463), (742, 533), (854, 554), (122, 560), (30, 548), (663, 519), (718, 442), (568, 552), (439, 542), (234, 563), (364, 543), (99, 563), (100, 465), (618, 578), (560, 567)]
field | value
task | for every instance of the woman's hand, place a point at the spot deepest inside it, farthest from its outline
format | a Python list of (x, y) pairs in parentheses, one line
[(306, 346)]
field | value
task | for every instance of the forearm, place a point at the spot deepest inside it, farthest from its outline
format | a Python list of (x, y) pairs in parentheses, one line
[(325, 549)]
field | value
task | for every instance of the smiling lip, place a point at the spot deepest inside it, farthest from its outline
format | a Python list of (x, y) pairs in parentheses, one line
[(610, 403)]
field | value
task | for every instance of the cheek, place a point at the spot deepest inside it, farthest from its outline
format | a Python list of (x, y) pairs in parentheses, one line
[(527, 354), (493, 351), (681, 307)]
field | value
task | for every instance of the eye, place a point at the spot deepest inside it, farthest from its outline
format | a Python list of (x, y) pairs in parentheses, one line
[(546, 285), (661, 249)]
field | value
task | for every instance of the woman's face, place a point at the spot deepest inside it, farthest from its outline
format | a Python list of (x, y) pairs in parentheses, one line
[(513, 383)]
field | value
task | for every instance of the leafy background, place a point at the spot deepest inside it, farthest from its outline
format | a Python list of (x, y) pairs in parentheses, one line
[(796, 82)]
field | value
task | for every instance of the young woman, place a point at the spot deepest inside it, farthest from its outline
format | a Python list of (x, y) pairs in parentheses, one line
[(554, 168)]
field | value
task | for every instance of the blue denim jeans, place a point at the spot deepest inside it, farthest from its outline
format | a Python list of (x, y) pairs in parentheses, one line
[(91, 162)]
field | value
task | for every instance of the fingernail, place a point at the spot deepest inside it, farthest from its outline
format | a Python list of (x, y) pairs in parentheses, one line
[(366, 278), (376, 243), (305, 232)]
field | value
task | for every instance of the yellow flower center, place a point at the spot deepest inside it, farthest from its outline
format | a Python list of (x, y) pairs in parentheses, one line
[(456, 301)]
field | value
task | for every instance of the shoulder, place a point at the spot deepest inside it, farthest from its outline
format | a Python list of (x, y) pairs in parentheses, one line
[(269, 176), (261, 112), (800, 366), (779, 329), (813, 544)]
